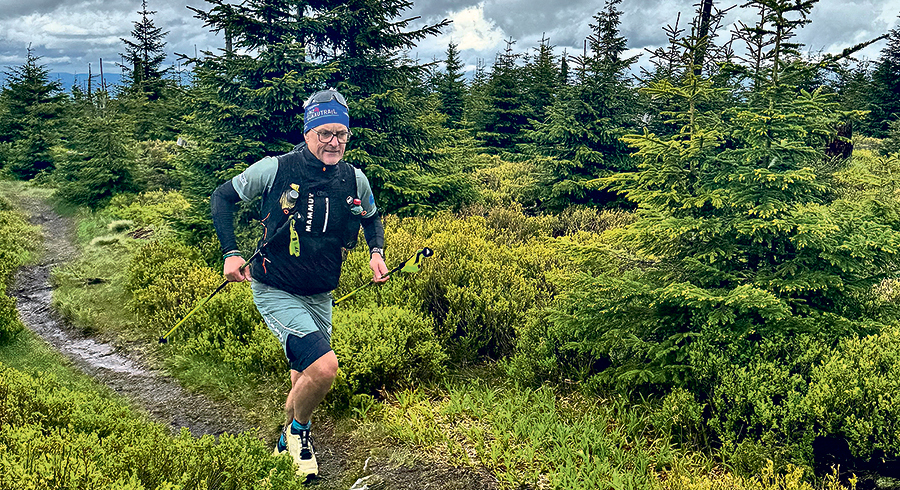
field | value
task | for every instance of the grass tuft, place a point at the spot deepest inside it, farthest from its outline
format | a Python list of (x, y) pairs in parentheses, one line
[(120, 226)]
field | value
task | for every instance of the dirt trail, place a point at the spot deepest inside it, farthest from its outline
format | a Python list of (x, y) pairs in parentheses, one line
[(122, 369), (164, 399)]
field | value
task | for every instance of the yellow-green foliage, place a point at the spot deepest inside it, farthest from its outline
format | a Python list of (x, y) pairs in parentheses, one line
[(167, 280), (870, 175), (768, 479), (53, 437), (377, 347), (17, 238), (17, 241), (150, 208), (155, 165), (486, 274), (855, 393), (469, 299), (385, 346), (506, 183)]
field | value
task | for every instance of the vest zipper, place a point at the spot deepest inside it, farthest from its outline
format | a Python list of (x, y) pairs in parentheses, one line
[(327, 207)]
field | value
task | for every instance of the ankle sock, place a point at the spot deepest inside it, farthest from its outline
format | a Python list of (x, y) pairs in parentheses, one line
[(282, 444), (296, 427)]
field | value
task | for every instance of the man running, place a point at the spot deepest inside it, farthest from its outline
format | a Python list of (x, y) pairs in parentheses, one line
[(321, 200)]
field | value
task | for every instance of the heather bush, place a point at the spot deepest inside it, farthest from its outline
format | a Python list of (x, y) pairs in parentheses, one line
[(54, 437), (854, 393), (152, 208), (17, 242), (385, 347), (484, 277)]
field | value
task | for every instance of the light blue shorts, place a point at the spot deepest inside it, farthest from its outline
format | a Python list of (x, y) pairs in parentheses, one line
[(290, 314)]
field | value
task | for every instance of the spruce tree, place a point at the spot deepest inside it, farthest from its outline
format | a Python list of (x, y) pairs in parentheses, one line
[(368, 41), (251, 97), (101, 163), (451, 86), (476, 98), (564, 69), (246, 100), (155, 101), (578, 141), (34, 106), (738, 244), (144, 55), (886, 85), (744, 266), (542, 79), (773, 59), (506, 110)]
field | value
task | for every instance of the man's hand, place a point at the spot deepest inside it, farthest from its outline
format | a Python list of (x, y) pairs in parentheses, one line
[(379, 269), (233, 270)]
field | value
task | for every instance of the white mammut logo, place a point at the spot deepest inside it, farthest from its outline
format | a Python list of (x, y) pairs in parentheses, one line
[(309, 212)]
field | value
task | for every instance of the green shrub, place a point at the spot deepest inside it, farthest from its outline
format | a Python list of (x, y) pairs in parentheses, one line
[(155, 165), (507, 183), (891, 144), (167, 280), (5, 205), (10, 325), (487, 275), (385, 347), (681, 416), (18, 240), (581, 218), (756, 389), (477, 287), (54, 437), (154, 208), (854, 393)]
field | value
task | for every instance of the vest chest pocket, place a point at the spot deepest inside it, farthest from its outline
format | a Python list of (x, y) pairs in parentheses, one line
[(322, 214)]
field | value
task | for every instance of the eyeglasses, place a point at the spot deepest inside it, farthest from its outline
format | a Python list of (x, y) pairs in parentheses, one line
[(325, 136), (326, 96)]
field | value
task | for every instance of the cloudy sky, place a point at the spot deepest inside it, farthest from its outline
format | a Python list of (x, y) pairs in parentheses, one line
[(70, 34)]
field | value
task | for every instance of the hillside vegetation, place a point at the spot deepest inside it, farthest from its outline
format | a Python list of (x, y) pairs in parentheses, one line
[(686, 279)]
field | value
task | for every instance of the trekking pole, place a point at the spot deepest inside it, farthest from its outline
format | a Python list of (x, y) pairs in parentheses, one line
[(404, 266), (165, 338)]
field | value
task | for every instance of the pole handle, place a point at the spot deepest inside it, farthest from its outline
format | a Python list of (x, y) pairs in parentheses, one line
[(424, 252)]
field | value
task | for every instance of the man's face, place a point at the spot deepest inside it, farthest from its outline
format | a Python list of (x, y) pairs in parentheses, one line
[(328, 153)]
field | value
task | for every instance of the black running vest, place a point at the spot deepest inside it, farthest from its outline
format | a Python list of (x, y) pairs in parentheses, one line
[(325, 221)]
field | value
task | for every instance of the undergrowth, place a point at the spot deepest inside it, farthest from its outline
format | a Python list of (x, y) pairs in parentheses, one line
[(551, 438), (415, 331)]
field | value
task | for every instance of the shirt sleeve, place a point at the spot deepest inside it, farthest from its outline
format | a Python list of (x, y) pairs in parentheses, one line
[(365, 193), (258, 178)]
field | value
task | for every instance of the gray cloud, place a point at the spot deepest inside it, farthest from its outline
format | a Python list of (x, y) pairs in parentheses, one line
[(69, 35), (439, 8)]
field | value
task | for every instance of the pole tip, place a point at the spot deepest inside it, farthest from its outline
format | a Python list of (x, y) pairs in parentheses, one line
[(163, 340)]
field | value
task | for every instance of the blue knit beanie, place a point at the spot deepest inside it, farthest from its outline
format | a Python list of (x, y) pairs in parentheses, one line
[(319, 113)]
